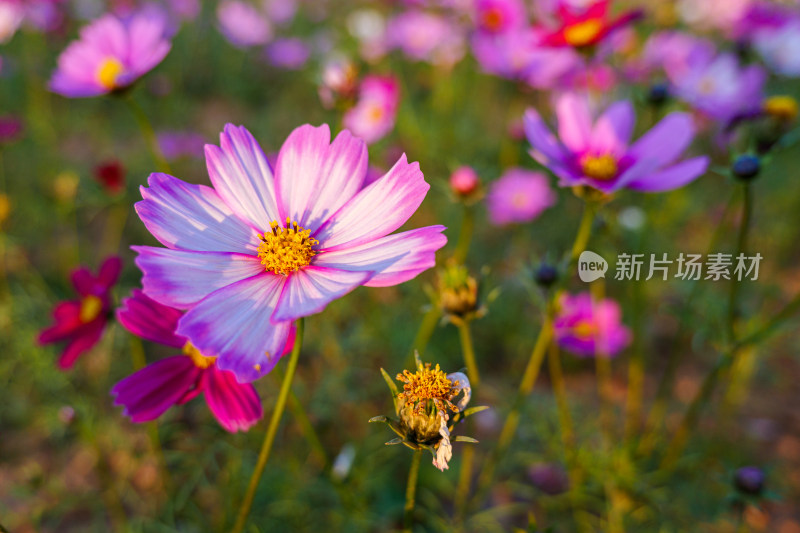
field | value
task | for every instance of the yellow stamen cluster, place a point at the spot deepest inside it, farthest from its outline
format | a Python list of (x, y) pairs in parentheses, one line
[(585, 330), (601, 168), (425, 385), (199, 360), (493, 19), (91, 307), (285, 250), (783, 108), (583, 33), (109, 71)]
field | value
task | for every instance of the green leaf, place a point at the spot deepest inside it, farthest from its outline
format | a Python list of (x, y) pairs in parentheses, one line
[(394, 441), (392, 387), (461, 438), (379, 418), (473, 410)]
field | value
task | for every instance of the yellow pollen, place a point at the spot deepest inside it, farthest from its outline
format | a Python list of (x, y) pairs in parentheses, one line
[(584, 330), (783, 108), (376, 113), (601, 168), (285, 250), (91, 306), (426, 384), (109, 72), (583, 33), (199, 360), (493, 19)]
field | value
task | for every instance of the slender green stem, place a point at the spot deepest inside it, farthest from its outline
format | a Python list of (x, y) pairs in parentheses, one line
[(469, 353), (148, 133), (464, 479), (582, 238), (425, 331), (272, 430), (411, 492), (560, 393), (741, 245), (633, 406), (465, 237)]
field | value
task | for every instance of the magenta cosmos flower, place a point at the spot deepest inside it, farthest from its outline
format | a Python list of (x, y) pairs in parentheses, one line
[(600, 155), (518, 196), (148, 393), (373, 116), (80, 323), (110, 55), (588, 328), (264, 248)]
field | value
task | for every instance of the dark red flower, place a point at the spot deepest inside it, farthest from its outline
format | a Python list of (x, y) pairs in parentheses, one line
[(111, 176)]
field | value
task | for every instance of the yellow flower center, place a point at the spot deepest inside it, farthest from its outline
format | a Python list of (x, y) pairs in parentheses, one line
[(584, 330), (91, 306), (783, 108), (426, 384), (109, 72), (583, 33), (493, 19), (601, 168), (285, 250), (375, 113), (199, 360)]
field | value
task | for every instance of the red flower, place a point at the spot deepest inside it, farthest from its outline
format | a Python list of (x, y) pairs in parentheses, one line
[(81, 322), (588, 26), (111, 176)]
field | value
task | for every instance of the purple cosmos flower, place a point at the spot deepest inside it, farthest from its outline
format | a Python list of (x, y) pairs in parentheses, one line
[(81, 322), (518, 196), (177, 144), (599, 155), (374, 114), (149, 392), (110, 55), (242, 24), (290, 54), (780, 46), (264, 248), (588, 328)]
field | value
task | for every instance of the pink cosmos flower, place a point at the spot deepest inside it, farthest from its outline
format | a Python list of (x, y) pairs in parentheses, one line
[(588, 328), (110, 55), (518, 196), (242, 24), (81, 322), (149, 392), (600, 155), (426, 37), (264, 248), (11, 14), (373, 116), (500, 16)]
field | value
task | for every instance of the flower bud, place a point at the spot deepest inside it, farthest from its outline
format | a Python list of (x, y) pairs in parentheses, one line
[(65, 186), (464, 181), (545, 275), (458, 292), (782, 108), (111, 175), (746, 167), (749, 480), (658, 94)]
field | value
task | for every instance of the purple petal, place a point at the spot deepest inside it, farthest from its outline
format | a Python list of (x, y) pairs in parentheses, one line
[(542, 140), (310, 289), (379, 209), (179, 278), (612, 131), (235, 405), (89, 336), (242, 176), (150, 320), (574, 121), (192, 217), (666, 141), (315, 178), (146, 394), (234, 324), (673, 177), (395, 258)]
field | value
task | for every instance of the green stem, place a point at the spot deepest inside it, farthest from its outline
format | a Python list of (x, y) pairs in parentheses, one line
[(272, 430), (464, 478), (148, 134), (582, 238), (465, 237), (306, 427), (633, 406), (469, 353), (411, 492), (741, 244), (424, 333)]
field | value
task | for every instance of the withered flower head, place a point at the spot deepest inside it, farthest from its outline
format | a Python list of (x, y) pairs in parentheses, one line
[(458, 293)]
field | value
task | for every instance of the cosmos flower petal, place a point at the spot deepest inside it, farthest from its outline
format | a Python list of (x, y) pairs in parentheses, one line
[(85, 339), (236, 406), (666, 141), (150, 320), (462, 386), (380, 208), (542, 140), (66, 315), (147, 44), (612, 130), (673, 177), (149, 392), (242, 176), (109, 271), (314, 177), (444, 451), (83, 281), (234, 324), (574, 121), (192, 217), (311, 289), (180, 278)]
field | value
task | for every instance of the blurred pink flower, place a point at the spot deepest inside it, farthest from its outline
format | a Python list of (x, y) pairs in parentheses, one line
[(242, 24), (373, 116), (110, 55), (500, 16), (427, 37), (598, 153), (149, 392), (518, 196), (464, 181), (288, 53), (177, 144), (590, 329), (12, 12), (81, 322), (10, 128)]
